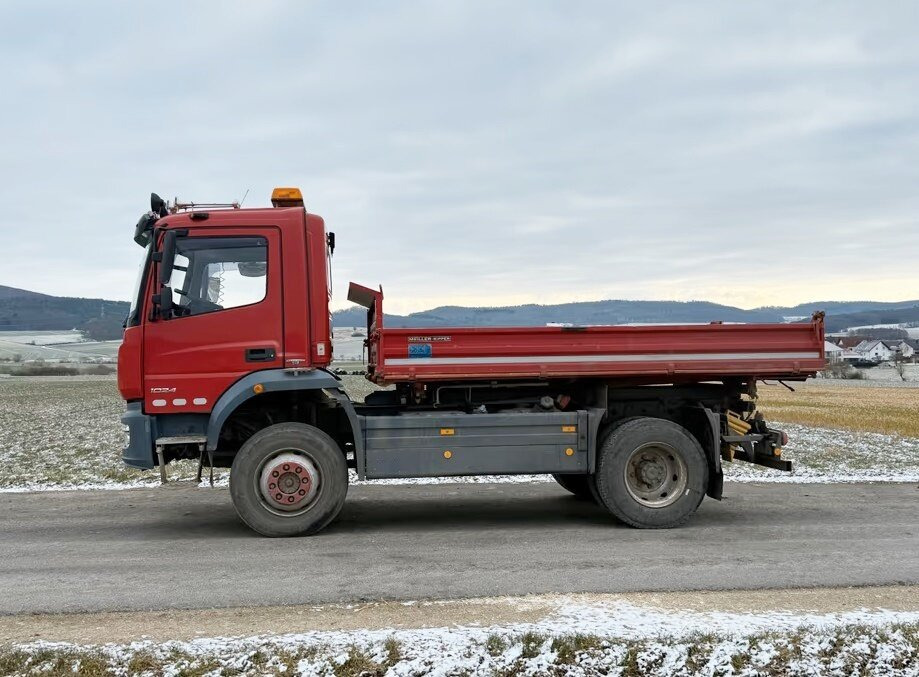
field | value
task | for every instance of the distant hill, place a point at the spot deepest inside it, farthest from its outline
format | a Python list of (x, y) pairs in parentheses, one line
[(880, 315), (30, 311), (22, 310), (582, 313), (615, 312), (13, 293), (837, 308)]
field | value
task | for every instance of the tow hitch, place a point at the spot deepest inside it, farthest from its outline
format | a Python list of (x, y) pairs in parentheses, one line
[(753, 442)]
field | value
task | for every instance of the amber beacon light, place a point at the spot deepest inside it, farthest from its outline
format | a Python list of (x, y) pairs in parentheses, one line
[(286, 197)]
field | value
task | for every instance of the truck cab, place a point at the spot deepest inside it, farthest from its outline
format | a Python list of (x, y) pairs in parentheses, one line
[(225, 360), (222, 293)]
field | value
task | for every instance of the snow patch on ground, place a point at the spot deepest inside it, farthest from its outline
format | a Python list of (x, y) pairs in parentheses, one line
[(831, 455), (577, 639)]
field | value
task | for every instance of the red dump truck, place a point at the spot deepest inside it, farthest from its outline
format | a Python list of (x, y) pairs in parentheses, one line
[(225, 361)]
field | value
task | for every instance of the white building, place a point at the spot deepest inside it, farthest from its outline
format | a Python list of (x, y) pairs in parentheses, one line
[(902, 347), (875, 350), (833, 352)]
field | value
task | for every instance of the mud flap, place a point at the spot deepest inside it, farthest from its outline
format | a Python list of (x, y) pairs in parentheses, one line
[(713, 449)]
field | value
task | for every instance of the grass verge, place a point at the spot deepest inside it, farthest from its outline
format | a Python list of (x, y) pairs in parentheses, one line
[(845, 650)]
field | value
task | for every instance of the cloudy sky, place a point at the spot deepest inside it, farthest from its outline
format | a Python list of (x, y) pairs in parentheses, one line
[(479, 153)]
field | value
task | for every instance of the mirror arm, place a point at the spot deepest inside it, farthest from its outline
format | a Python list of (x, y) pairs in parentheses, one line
[(164, 259), (167, 256), (162, 304)]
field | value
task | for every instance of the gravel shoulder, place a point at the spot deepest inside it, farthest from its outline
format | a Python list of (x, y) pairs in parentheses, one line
[(184, 625)]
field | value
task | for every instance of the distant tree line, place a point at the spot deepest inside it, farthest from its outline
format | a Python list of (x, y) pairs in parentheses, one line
[(880, 333)]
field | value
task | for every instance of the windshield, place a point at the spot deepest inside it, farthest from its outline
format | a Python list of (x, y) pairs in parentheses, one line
[(138, 286)]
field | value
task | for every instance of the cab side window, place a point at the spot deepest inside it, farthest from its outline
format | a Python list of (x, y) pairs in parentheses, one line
[(218, 273)]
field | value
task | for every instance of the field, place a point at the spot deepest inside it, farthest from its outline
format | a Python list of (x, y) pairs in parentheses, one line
[(53, 346), (65, 432), (855, 406)]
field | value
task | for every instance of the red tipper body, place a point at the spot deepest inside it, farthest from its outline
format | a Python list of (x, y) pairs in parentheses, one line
[(637, 354)]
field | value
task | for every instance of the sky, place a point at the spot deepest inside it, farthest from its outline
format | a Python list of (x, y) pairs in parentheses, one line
[(479, 153)]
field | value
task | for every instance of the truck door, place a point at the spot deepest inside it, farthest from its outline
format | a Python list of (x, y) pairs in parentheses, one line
[(227, 319)]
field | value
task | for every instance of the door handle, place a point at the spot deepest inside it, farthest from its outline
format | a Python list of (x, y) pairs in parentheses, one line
[(259, 354)]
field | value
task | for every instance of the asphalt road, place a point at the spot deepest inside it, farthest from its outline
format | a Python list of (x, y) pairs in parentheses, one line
[(181, 547)]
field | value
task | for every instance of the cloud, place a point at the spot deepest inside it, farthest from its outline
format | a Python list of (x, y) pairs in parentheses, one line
[(479, 153)]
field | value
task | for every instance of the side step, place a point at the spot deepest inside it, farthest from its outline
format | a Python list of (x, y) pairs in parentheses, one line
[(199, 440)]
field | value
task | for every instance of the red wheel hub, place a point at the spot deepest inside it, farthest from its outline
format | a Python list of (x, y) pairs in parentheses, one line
[(289, 481)]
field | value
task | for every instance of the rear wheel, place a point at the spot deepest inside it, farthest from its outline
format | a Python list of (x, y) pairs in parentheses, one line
[(579, 485), (651, 473), (289, 479)]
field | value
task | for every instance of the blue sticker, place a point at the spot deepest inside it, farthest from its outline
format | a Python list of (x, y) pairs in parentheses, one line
[(419, 350)]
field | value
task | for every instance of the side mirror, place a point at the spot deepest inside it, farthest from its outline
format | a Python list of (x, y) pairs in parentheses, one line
[(143, 229), (167, 256), (163, 303)]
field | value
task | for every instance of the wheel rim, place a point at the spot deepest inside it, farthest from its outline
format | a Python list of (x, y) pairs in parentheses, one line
[(655, 475), (288, 483)]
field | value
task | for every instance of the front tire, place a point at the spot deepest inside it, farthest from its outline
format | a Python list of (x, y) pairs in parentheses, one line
[(289, 479), (651, 473)]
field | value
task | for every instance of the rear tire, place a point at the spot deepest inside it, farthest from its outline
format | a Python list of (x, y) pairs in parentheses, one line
[(579, 485), (651, 473), (289, 479)]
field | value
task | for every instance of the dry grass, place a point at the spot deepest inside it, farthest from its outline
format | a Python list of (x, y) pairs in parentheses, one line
[(893, 411), (891, 649)]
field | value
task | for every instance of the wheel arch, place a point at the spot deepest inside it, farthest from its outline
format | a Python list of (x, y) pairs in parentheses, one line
[(278, 381)]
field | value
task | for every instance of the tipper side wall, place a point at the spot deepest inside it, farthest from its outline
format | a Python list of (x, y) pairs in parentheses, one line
[(645, 354)]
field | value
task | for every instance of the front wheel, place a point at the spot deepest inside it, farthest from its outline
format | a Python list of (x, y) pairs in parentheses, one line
[(289, 479), (651, 473)]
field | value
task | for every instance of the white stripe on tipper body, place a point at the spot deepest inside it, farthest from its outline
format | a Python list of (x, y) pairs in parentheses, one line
[(573, 359)]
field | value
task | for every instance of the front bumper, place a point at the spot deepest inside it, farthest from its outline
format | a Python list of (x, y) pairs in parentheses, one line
[(138, 451)]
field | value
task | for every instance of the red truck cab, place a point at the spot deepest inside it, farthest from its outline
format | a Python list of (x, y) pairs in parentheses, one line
[(225, 358), (229, 303)]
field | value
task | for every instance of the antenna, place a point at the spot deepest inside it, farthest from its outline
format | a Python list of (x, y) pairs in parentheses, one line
[(240, 203)]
